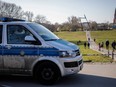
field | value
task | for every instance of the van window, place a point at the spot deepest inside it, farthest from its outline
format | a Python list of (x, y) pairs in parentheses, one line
[(1, 28), (16, 34), (43, 32)]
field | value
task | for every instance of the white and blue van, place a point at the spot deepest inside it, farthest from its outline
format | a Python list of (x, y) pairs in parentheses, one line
[(28, 48)]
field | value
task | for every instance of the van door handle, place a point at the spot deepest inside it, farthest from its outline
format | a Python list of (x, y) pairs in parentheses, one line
[(8, 46)]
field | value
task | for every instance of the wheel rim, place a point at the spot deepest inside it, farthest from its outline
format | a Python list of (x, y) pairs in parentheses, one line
[(47, 73)]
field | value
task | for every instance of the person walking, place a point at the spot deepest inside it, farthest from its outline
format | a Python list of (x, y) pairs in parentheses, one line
[(107, 44), (99, 47), (89, 39), (113, 48), (88, 44), (113, 45), (102, 45), (94, 39), (85, 44)]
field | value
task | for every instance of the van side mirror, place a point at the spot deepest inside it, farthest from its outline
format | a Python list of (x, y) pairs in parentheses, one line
[(30, 39)]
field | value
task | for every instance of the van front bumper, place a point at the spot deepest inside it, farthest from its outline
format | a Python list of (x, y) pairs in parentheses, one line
[(71, 65)]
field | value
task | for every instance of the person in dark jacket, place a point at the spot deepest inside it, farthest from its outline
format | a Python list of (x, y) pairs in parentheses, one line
[(85, 45), (102, 45), (99, 46), (113, 45), (88, 44), (107, 44)]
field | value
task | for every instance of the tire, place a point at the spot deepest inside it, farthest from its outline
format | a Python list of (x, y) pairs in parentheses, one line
[(47, 73)]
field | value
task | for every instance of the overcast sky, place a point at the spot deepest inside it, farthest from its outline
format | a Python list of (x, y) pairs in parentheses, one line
[(60, 10)]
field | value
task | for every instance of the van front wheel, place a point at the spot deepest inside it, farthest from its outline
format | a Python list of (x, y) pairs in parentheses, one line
[(47, 73)]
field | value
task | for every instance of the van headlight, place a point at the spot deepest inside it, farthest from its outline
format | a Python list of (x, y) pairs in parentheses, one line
[(64, 54)]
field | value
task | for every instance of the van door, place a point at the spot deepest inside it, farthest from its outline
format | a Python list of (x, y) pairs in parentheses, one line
[(1, 48), (18, 54)]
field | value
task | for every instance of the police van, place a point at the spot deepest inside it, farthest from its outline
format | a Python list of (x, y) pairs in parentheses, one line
[(28, 48)]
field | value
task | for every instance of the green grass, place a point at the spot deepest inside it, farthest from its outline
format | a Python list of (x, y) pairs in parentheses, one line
[(76, 36), (72, 36), (102, 36), (97, 58)]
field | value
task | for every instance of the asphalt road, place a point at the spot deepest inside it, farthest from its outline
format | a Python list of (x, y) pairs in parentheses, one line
[(92, 75)]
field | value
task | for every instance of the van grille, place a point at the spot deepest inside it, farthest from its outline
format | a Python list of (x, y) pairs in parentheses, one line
[(73, 64)]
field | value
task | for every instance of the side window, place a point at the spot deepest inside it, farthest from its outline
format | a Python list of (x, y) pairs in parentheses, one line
[(1, 28), (16, 34)]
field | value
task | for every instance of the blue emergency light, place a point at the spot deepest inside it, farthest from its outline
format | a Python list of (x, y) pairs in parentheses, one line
[(6, 19)]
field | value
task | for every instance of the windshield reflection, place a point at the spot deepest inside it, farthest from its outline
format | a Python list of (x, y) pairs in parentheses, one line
[(46, 34)]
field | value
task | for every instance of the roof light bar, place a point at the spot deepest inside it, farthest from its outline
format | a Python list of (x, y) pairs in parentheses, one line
[(6, 19)]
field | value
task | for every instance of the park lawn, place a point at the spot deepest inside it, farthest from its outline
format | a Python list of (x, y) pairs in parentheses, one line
[(80, 35), (97, 58), (94, 56), (72, 36), (102, 36)]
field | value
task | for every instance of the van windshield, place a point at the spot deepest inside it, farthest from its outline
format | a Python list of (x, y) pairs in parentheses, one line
[(46, 34)]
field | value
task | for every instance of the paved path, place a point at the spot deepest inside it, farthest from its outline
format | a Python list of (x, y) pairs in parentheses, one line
[(100, 69), (95, 47)]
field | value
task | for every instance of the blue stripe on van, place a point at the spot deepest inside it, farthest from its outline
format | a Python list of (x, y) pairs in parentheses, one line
[(49, 51), (31, 51)]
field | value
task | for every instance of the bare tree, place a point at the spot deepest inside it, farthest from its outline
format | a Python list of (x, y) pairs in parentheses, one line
[(40, 19), (56, 25), (73, 20), (93, 25), (65, 27), (29, 15), (73, 23), (10, 10)]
